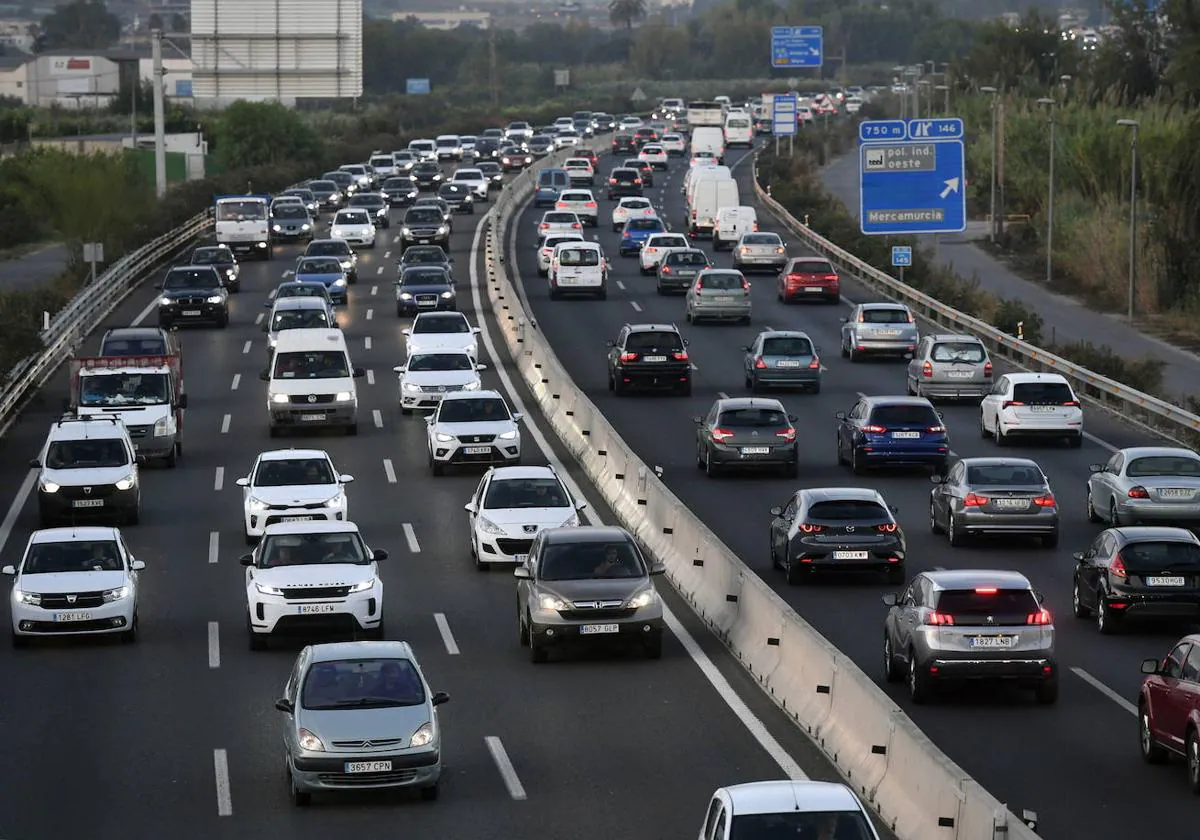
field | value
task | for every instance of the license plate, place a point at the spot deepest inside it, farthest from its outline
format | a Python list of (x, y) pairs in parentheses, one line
[(296, 519), (312, 418), (1010, 503), (520, 558), (756, 450), (368, 766), (655, 358), (424, 241), (992, 641), (787, 364), (887, 332), (850, 555), (598, 629), (316, 609), (1041, 409), (1166, 581), (192, 313), (476, 450), (88, 503), (960, 374), (812, 289), (72, 616), (906, 435), (723, 299), (1175, 493)]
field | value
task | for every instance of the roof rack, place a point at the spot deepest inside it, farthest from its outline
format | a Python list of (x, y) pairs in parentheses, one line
[(71, 417)]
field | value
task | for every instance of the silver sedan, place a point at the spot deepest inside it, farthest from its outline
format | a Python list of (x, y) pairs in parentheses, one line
[(994, 496), (1146, 484), (758, 251)]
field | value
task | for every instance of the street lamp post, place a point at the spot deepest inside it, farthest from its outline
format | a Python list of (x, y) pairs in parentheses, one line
[(1133, 125), (1050, 105), (992, 218)]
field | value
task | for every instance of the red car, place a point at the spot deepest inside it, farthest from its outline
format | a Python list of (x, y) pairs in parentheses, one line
[(809, 278), (1169, 707), (591, 156)]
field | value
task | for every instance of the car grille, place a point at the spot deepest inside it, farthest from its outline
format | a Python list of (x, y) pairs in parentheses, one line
[(589, 614), (97, 491), (514, 546), (315, 592), (313, 506), (424, 232), (82, 600), (427, 300), (369, 744), (188, 301), (440, 389), (367, 779), (476, 438), (311, 399), (136, 432)]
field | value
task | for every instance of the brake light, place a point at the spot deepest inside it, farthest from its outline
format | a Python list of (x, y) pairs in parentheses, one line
[(612, 180), (875, 430), (745, 285), (680, 356), (910, 318), (830, 278), (1071, 404), (1041, 617), (666, 269), (987, 369), (590, 204), (1138, 492), (1010, 403), (1045, 501), (815, 364), (787, 434), (544, 226), (862, 318), (927, 369), (637, 180), (974, 500), (628, 357), (576, 226), (938, 619), (811, 529), (1117, 569), (936, 430), (986, 590), (889, 528), (721, 434), (759, 364)]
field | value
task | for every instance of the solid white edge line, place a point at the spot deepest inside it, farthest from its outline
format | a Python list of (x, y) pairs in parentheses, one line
[(225, 421), (237, 380), (224, 795), (507, 772), (214, 546), (410, 537), (389, 470), (443, 627), (219, 479), (214, 645), (377, 416), (716, 679), (1105, 690)]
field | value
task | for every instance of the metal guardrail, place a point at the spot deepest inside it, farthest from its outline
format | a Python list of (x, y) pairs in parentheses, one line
[(90, 306), (1145, 410)]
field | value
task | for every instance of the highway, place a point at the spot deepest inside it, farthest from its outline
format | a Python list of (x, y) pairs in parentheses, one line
[(177, 736), (1076, 763)]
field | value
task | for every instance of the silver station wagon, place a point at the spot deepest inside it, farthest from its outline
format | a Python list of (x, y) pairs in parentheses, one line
[(950, 367), (879, 329)]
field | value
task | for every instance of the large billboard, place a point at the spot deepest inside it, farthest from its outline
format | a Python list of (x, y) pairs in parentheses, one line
[(276, 49)]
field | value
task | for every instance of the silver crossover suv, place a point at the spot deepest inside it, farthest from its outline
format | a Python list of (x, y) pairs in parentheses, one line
[(950, 367), (879, 329)]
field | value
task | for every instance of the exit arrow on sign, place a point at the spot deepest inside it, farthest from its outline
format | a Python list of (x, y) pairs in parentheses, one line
[(951, 187)]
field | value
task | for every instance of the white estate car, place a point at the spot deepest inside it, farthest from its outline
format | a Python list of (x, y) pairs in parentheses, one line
[(292, 485), (673, 144), (442, 331), (76, 580), (558, 221), (427, 377), (1040, 405), (475, 180), (657, 244), (510, 506), (473, 427), (312, 575), (580, 202), (654, 154), (785, 808), (546, 248), (580, 171), (354, 227), (631, 207)]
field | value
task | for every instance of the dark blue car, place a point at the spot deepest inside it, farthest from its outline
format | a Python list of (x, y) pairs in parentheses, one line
[(425, 288), (325, 270), (892, 432), (636, 232)]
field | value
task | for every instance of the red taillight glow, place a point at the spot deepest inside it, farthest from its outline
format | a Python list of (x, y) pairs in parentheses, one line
[(875, 430), (927, 369), (936, 430), (986, 590), (577, 226), (628, 357), (974, 500), (938, 619), (811, 529), (1011, 404), (590, 204), (637, 180), (888, 528), (612, 180), (681, 356), (788, 435), (815, 364), (745, 285), (1041, 617), (987, 369), (759, 363), (1117, 569), (544, 226), (1046, 501), (1071, 404), (666, 269), (721, 434), (1138, 492)]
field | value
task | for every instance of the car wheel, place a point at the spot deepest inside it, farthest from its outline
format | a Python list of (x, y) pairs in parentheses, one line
[(1092, 516), (250, 539), (1077, 606), (133, 517), (954, 536), (1001, 438), (856, 464), (19, 641), (1075, 441), (841, 459), (537, 650), (1193, 760), (522, 631), (795, 574), (170, 460), (1106, 619), (710, 469), (983, 429), (1152, 751), (437, 467), (918, 681), (352, 430), (258, 641), (300, 798), (890, 672), (934, 527), (845, 349), (274, 431), (1114, 516)]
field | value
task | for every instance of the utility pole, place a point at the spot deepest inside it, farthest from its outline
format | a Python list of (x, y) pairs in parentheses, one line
[(493, 74), (1000, 167), (160, 123)]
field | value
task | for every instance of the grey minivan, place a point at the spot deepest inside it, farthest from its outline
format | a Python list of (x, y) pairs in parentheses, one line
[(879, 329), (550, 184)]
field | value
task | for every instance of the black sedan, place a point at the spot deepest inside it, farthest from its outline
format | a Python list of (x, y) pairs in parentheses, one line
[(428, 175), (493, 172), (459, 197), (400, 190), (426, 288), (375, 204), (425, 255)]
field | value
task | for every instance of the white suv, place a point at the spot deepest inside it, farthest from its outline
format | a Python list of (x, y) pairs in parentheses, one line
[(79, 581), (656, 246), (318, 575), (580, 202), (442, 332), (474, 180), (292, 485), (1041, 405), (510, 506), (473, 427), (89, 470)]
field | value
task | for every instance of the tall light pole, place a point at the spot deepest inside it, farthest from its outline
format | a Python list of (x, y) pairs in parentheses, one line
[(995, 149), (160, 141), (1133, 125), (1050, 106)]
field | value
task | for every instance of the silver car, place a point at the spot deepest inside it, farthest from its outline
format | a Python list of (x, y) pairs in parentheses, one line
[(969, 626), (782, 359), (879, 329), (760, 251), (994, 496), (358, 716), (719, 294), (1146, 484), (950, 367)]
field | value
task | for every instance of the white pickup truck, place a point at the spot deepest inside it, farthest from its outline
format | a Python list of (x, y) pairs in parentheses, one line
[(243, 223)]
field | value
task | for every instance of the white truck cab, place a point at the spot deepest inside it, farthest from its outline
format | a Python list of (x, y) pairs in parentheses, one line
[(243, 223), (144, 392)]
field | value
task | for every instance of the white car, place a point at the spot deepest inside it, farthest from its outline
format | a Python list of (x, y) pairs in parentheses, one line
[(654, 154), (545, 252), (468, 141), (354, 227), (702, 158), (427, 377), (298, 313), (77, 581), (318, 575), (558, 221), (805, 809), (292, 485), (426, 149), (630, 123), (656, 245), (1032, 405), (475, 180), (510, 506), (449, 147), (444, 332), (580, 171), (632, 207), (566, 138), (580, 202), (473, 428), (853, 105), (673, 144), (564, 122)]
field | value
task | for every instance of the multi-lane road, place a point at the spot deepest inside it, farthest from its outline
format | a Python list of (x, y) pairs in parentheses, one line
[(1076, 763), (178, 736)]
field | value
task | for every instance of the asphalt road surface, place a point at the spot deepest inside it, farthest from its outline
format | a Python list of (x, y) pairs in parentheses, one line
[(37, 268)]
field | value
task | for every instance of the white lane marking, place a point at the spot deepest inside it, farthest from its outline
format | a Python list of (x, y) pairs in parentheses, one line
[(636, 307), (386, 254), (145, 313), (18, 503), (716, 679), (860, 395), (389, 470), (225, 424), (1105, 690), (214, 546), (214, 645), (367, 342), (447, 637), (219, 479), (694, 367), (274, 292), (620, 285), (258, 321), (507, 772), (379, 270), (237, 380), (374, 290), (246, 347), (370, 377), (1100, 442), (377, 416), (939, 568), (370, 314), (410, 536), (722, 395), (224, 796)]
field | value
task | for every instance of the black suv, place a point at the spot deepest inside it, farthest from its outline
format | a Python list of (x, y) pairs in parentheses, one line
[(624, 143), (221, 258), (192, 294), (623, 182), (428, 175), (138, 341), (649, 356), (643, 167), (424, 226), (401, 190)]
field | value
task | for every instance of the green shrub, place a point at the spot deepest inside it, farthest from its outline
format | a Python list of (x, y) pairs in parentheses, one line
[(1145, 374)]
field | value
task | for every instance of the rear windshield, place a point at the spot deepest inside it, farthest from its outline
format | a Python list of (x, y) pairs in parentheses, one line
[(787, 347), (644, 224), (1043, 393), (138, 347), (1160, 556), (579, 256), (692, 258), (328, 248), (423, 216), (752, 418), (760, 239), (813, 267), (556, 177), (721, 281), (440, 324), (1002, 475), (637, 342), (959, 351), (560, 218), (624, 175), (440, 361), (886, 316), (1180, 465), (298, 319), (975, 606), (639, 204), (801, 825), (848, 510), (903, 415), (551, 241), (588, 561)]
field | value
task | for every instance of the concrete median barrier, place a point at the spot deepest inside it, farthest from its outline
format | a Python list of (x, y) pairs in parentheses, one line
[(922, 793), (808, 667), (858, 736)]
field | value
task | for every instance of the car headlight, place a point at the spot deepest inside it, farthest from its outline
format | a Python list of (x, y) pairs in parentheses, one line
[(423, 736), (125, 483), (49, 487), (305, 227), (162, 428), (267, 590), (272, 340), (343, 396), (338, 233), (230, 273), (110, 595), (363, 586), (256, 504), (347, 265), (165, 301), (214, 298), (506, 160), (337, 501), (437, 177), (546, 601), (341, 281), (643, 599), (472, 386), (443, 230), (411, 387), (309, 741), (33, 599), (508, 435), (279, 398), (405, 296), (442, 437), (447, 295), (488, 526), (412, 194), (276, 228), (406, 231)]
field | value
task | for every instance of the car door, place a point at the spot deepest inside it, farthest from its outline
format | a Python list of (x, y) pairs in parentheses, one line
[(525, 587), (707, 425), (1168, 699), (1186, 702), (848, 426), (617, 347), (848, 326), (1092, 569), (475, 507), (946, 493), (906, 616), (1108, 481), (752, 353), (991, 403), (917, 362), (781, 528)]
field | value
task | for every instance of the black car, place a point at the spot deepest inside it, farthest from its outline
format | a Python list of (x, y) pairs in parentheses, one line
[(624, 181), (644, 135), (438, 202), (678, 269), (541, 145), (493, 172), (311, 203), (424, 226), (644, 169), (428, 175), (291, 223), (425, 255), (222, 258), (649, 356), (514, 158), (193, 294), (487, 148), (401, 190), (458, 197), (836, 529), (345, 181), (328, 194), (425, 288), (624, 143), (376, 205), (138, 341)]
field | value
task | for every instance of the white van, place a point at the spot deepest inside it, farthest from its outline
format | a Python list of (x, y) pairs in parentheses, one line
[(703, 173), (739, 130), (578, 268), (709, 138), (707, 200), (310, 382), (731, 224)]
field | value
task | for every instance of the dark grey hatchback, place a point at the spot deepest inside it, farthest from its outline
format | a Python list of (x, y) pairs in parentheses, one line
[(747, 433), (677, 269)]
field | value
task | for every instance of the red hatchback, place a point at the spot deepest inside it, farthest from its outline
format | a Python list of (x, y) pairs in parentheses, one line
[(809, 278), (1169, 707), (590, 154)]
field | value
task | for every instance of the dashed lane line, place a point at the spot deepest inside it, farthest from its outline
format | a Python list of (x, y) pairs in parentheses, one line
[(504, 764), (389, 470), (225, 421), (214, 546), (219, 479), (214, 645), (410, 537), (443, 627)]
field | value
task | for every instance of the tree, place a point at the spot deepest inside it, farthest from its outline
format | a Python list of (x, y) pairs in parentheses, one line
[(626, 12), (82, 24), (260, 133), (155, 21)]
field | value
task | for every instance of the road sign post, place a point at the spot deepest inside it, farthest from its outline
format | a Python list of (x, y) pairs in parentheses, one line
[(912, 177), (93, 252), (902, 258), (784, 113), (797, 46)]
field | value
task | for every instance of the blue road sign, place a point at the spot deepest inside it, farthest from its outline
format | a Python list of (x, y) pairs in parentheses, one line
[(797, 46), (871, 131), (417, 86), (912, 187), (942, 128), (183, 87), (901, 256), (783, 115)]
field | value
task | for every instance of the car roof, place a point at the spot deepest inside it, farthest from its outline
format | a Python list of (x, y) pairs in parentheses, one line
[(1000, 461), (74, 534), (972, 578), (785, 334), (499, 473), (326, 242), (1149, 451), (581, 243), (327, 526), (286, 454), (135, 332), (104, 427), (337, 651), (313, 338), (954, 337), (1017, 378), (838, 494), (898, 400), (652, 328), (1155, 533), (471, 395), (737, 403), (776, 797), (298, 302), (883, 306), (586, 533)]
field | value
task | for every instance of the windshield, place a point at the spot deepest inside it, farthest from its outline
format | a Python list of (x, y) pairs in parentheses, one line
[(352, 217), (424, 216), (425, 277), (1155, 556), (787, 347), (1176, 465), (475, 410), (447, 142), (328, 248), (212, 256), (904, 415), (440, 361), (513, 493), (119, 389), (761, 239), (1043, 393), (886, 316), (399, 184), (987, 602), (371, 201), (241, 211), (313, 364), (86, 454), (291, 472), (428, 254), (362, 683), (51, 558), (323, 265), (279, 550), (322, 187), (753, 418), (1000, 475), (287, 290), (961, 351), (588, 561), (552, 241), (354, 169), (152, 346), (841, 510), (737, 123), (298, 319), (290, 211), (560, 218), (440, 324), (817, 825), (185, 278), (640, 341), (383, 162), (694, 258), (468, 175), (579, 256)]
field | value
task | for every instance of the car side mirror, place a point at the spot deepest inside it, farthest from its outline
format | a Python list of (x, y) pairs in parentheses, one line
[(346, 479), (481, 367), (158, 285), (776, 511), (893, 509), (610, 344), (839, 415), (658, 569), (1096, 468), (1079, 556), (264, 375), (1037, 593), (439, 698), (518, 417), (697, 419), (35, 464), (1150, 666), (284, 705), (581, 505), (359, 373), (400, 368), (937, 479), (268, 304), (845, 320), (816, 348), (243, 482), (379, 554), (890, 599), (8, 570), (246, 560), (469, 507), (746, 349), (137, 565), (522, 573), (474, 330), (183, 401), (406, 331)]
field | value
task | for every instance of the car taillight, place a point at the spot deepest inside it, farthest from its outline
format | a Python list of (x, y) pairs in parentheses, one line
[(1045, 501), (936, 430), (987, 369), (889, 528), (544, 226), (1011, 403), (830, 278), (938, 619), (1071, 404), (759, 363), (815, 364), (875, 430), (576, 226), (637, 180), (1138, 492), (788, 435), (612, 180), (628, 357), (680, 356), (811, 529), (927, 369), (666, 269), (590, 204), (1117, 569), (1041, 617), (721, 434), (745, 285), (974, 500)]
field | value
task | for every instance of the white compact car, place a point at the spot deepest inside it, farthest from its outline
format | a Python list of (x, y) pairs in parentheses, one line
[(354, 227), (578, 268), (444, 332), (566, 138), (510, 506), (657, 244), (805, 809), (473, 428), (427, 377), (75, 581), (297, 313), (426, 149), (558, 221), (654, 154), (312, 575), (292, 485), (580, 171), (475, 180), (1031, 405), (673, 144), (632, 207), (702, 158), (546, 248), (580, 202)]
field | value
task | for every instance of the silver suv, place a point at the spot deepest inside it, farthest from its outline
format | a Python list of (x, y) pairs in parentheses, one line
[(969, 625), (950, 367), (879, 329)]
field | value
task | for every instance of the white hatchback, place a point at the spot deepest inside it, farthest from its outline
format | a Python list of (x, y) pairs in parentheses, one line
[(656, 246), (632, 207), (292, 485), (654, 154), (673, 144), (580, 202), (442, 332), (510, 506), (545, 251), (355, 227), (427, 377), (475, 180), (558, 221), (1032, 405)]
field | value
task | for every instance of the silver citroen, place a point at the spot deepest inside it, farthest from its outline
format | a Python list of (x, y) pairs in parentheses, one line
[(950, 367)]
